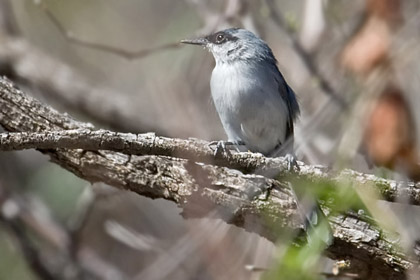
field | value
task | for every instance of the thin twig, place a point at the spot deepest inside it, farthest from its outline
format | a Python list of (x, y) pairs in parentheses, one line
[(29, 252), (127, 54), (324, 84), (22, 220)]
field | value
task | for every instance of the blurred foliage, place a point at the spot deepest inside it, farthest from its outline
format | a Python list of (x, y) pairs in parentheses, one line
[(58, 189), (12, 264)]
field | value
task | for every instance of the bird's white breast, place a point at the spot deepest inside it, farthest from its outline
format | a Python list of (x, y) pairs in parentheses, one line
[(250, 105)]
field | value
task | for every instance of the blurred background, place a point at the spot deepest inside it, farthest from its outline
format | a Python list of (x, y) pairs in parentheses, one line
[(354, 66)]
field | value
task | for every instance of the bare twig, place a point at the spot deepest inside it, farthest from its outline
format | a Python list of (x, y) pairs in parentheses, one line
[(324, 84), (31, 254), (17, 216), (19, 60), (127, 54), (234, 10), (8, 25)]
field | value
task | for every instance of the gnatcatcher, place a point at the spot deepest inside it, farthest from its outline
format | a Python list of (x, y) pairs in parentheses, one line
[(255, 104)]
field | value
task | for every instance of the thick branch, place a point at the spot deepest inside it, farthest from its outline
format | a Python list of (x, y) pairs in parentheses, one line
[(253, 202), (199, 150)]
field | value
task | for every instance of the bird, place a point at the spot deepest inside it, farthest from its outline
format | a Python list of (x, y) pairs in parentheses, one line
[(256, 106)]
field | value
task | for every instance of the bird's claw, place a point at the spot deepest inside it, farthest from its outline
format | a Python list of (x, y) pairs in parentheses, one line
[(221, 149), (291, 162)]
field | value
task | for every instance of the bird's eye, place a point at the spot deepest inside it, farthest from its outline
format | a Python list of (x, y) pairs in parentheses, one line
[(220, 38)]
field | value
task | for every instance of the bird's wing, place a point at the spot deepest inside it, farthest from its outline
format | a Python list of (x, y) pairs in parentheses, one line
[(292, 105), (292, 114), (263, 126)]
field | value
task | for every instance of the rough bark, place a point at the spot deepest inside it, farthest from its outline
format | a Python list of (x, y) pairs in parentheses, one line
[(200, 150), (251, 201)]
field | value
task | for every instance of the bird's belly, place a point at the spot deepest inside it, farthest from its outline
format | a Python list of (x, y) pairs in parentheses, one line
[(249, 112)]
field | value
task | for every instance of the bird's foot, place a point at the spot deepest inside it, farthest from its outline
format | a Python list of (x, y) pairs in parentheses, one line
[(291, 162), (222, 149)]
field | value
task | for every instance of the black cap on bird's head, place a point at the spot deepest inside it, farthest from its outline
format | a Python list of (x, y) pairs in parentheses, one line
[(215, 38), (234, 44)]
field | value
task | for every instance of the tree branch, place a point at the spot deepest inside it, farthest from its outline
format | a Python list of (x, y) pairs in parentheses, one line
[(199, 150), (252, 201)]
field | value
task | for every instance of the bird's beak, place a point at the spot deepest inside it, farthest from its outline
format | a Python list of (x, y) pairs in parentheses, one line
[(198, 41)]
